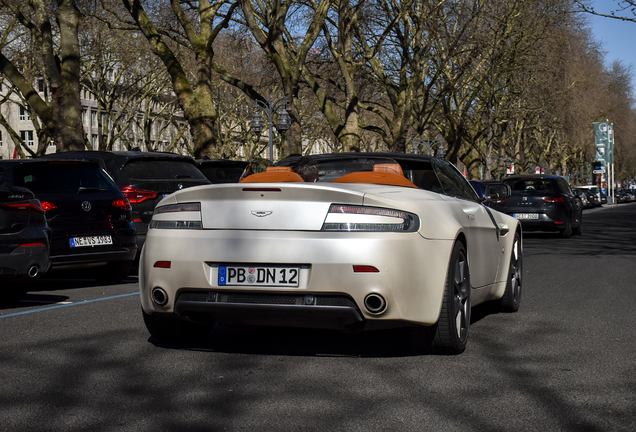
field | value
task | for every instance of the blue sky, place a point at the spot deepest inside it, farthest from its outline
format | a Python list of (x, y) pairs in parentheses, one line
[(616, 36)]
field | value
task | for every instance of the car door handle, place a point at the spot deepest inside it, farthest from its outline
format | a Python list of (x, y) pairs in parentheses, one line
[(471, 216)]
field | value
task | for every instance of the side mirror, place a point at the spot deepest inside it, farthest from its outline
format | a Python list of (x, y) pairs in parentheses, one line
[(497, 192)]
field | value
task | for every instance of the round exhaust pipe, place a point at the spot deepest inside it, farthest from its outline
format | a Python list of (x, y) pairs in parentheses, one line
[(375, 303), (159, 296), (33, 271)]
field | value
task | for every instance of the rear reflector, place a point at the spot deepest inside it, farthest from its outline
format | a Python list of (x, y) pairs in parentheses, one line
[(32, 244), (365, 269), (162, 264)]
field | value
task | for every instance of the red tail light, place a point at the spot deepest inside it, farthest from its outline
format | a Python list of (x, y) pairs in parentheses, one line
[(162, 264), (554, 199), (47, 205), (32, 244), (136, 196), (24, 206), (499, 201), (122, 203)]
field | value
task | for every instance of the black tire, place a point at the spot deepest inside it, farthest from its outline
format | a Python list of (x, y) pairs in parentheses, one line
[(11, 294), (512, 296), (113, 272), (166, 328), (579, 229), (450, 334), (567, 231)]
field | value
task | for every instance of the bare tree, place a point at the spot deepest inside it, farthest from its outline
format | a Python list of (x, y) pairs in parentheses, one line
[(193, 26), (286, 36), (624, 10), (52, 29)]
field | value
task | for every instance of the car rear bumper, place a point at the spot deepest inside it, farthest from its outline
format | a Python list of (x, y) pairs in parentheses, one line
[(124, 248), (410, 278), (95, 256), (237, 308), (24, 261), (543, 223)]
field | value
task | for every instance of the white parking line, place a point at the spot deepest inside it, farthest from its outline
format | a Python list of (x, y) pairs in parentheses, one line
[(67, 304)]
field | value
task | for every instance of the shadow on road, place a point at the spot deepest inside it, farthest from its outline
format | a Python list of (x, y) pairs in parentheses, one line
[(604, 233), (399, 342)]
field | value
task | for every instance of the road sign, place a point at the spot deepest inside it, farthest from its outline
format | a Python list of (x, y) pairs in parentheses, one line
[(598, 171)]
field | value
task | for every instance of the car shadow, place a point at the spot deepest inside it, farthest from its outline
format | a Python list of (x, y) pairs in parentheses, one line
[(301, 342), (36, 299), (397, 342), (598, 226)]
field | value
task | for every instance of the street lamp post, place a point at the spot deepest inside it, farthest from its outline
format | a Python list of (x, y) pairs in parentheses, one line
[(508, 162), (271, 108), (429, 144)]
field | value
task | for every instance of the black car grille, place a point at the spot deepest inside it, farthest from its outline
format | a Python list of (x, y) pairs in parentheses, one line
[(264, 299)]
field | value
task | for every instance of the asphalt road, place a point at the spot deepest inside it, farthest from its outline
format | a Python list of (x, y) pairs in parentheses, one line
[(76, 357)]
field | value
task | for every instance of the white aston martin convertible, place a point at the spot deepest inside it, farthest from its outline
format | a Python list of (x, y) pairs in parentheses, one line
[(380, 240)]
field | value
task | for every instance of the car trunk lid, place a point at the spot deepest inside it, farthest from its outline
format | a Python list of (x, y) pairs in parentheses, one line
[(267, 206)]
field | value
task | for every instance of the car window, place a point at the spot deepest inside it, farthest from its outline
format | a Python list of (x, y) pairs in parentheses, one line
[(161, 169), (565, 186), (453, 183), (331, 170), (531, 185), (223, 173), (62, 178), (422, 174)]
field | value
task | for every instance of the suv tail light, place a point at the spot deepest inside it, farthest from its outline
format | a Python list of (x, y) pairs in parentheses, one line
[(136, 196), (554, 199), (47, 205), (122, 203)]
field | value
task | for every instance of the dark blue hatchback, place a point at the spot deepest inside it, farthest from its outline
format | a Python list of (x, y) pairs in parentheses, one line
[(543, 203)]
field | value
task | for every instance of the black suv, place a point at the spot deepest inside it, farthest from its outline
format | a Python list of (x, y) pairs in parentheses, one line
[(542, 202), (144, 178), (89, 217)]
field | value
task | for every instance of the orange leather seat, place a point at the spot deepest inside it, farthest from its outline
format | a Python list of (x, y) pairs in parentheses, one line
[(278, 169), (273, 176), (389, 168), (372, 177)]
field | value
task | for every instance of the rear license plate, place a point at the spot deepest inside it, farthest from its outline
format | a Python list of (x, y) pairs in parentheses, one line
[(91, 241), (259, 276), (526, 215)]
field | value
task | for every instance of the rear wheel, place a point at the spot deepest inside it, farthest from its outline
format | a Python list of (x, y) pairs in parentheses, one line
[(170, 329), (512, 296), (113, 272), (567, 231), (579, 229), (450, 334)]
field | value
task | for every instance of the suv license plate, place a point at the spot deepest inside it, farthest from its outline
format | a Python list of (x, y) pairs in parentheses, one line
[(259, 276), (526, 215), (91, 241)]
